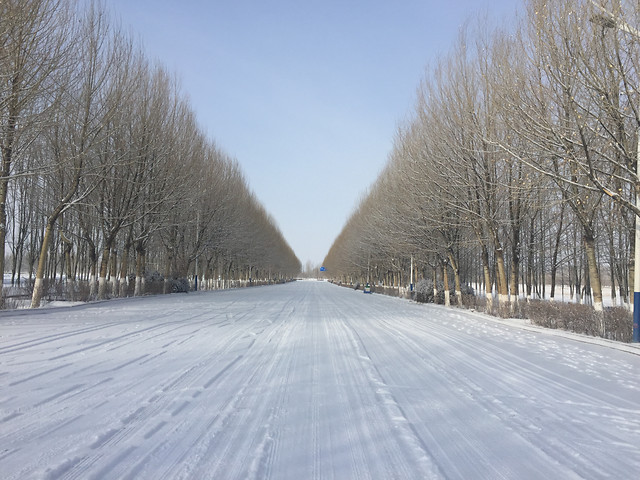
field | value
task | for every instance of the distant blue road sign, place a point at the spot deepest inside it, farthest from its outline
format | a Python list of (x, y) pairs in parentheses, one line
[(322, 269)]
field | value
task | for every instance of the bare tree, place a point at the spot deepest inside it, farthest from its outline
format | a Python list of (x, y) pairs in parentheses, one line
[(33, 48), (80, 126)]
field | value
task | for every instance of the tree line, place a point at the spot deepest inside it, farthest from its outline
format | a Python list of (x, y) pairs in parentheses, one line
[(516, 170), (106, 175)]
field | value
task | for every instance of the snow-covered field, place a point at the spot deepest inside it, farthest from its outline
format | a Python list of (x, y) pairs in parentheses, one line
[(308, 381)]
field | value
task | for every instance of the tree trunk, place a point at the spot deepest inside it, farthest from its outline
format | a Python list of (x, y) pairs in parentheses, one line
[(3, 225), (69, 268), (19, 269), (554, 257), (140, 264), (93, 284), (487, 278), (577, 281), (38, 286), (102, 280), (456, 277), (594, 277), (445, 281), (124, 267), (435, 285), (503, 292), (6, 148), (515, 275), (167, 273), (614, 300), (530, 258), (113, 273)]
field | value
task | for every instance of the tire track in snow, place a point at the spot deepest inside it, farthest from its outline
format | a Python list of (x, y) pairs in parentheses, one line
[(27, 344), (402, 427), (241, 453), (211, 434), (424, 417), (129, 429), (20, 346), (451, 429), (113, 436), (548, 393), (131, 337), (174, 424), (63, 393), (501, 365), (40, 374)]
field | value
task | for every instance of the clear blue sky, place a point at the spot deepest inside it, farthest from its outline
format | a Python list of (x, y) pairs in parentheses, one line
[(307, 95)]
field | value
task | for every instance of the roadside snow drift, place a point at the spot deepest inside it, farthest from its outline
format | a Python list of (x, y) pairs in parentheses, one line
[(307, 381)]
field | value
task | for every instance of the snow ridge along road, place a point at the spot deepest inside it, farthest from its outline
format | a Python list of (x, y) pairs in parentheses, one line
[(306, 381)]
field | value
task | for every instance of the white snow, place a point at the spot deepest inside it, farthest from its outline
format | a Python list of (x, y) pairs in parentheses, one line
[(308, 381)]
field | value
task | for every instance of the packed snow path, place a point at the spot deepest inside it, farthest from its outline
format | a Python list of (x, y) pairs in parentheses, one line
[(307, 381)]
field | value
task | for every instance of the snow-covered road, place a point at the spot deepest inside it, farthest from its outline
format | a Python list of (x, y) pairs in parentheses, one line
[(307, 381)]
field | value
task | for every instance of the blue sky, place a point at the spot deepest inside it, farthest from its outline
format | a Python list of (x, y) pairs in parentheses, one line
[(307, 95)]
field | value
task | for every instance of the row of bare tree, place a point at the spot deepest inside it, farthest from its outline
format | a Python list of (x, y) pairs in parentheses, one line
[(105, 171), (518, 165)]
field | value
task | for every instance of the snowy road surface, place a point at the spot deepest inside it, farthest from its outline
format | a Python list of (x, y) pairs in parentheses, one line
[(307, 381)]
